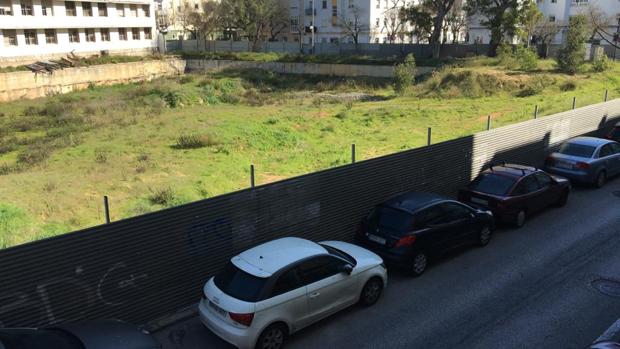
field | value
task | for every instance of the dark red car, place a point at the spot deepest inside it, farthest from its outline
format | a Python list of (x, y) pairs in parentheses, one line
[(512, 192), (614, 134)]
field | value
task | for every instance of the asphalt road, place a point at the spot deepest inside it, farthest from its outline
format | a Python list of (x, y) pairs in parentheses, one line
[(529, 288)]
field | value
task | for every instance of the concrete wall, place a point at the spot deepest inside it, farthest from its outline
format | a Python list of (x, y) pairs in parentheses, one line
[(198, 65), (20, 85)]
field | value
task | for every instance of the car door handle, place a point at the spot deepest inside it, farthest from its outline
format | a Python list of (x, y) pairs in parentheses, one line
[(315, 294)]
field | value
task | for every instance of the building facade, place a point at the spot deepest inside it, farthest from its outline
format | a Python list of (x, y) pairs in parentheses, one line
[(43, 29)]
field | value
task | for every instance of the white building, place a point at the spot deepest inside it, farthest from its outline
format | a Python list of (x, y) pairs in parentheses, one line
[(42, 29), (558, 11)]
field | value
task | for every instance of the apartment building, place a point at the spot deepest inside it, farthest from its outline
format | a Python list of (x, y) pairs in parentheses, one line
[(42, 29), (558, 11)]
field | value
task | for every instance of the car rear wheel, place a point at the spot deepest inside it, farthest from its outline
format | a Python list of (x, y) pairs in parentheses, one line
[(563, 199), (371, 291), (273, 337), (520, 219), (601, 179), (419, 263), (484, 236)]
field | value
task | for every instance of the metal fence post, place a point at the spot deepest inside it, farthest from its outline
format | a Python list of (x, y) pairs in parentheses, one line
[(428, 136), (606, 92), (252, 175), (353, 153), (574, 102), (106, 207), (488, 122), (536, 111)]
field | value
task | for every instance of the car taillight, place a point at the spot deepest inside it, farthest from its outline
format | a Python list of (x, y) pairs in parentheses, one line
[(405, 241), (549, 161), (244, 319), (582, 165)]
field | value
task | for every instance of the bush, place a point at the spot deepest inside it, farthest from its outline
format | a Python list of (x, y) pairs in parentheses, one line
[(5, 169), (33, 155), (527, 58), (404, 74), (162, 196), (186, 79), (505, 55), (101, 156), (194, 141), (568, 86), (601, 63)]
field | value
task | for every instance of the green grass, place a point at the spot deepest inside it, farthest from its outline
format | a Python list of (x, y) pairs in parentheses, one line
[(157, 144)]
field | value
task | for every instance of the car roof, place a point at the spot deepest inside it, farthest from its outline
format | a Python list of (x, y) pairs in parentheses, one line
[(512, 170), (591, 141), (413, 200), (266, 259)]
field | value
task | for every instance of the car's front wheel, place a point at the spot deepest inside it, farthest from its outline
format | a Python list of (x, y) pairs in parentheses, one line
[(273, 337), (484, 236), (563, 199), (520, 219), (419, 263), (371, 291), (601, 179)]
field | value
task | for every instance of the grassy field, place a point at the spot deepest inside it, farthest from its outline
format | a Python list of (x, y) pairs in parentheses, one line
[(162, 143)]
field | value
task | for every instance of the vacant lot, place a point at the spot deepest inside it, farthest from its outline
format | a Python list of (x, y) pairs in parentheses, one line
[(153, 145)]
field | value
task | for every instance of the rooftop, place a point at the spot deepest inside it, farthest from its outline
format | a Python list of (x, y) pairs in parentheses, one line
[(412, 201)]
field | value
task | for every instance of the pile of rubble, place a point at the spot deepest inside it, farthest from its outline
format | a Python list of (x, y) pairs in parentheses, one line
[(48, 67)]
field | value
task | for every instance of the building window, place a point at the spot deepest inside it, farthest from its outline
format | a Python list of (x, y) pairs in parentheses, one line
[(90, 35), (147, 10), (102, 9), (294, 21), (70, 8), (120, 10), (87, 9), (377, 21), (122, 34), (195, 6), (147, 34), (31, 37), (378, 3), (47, 8), (376, 40), (133, 10), (5, 8), (26, 7), (324, 4), (10, 37), (334, 11), (74, 36), (135, 33), (350, 3), (105, 34), (50, 36), (554, 1), (551, 18)]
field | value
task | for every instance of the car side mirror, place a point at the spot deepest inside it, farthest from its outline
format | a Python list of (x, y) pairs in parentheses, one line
[(345, 268)]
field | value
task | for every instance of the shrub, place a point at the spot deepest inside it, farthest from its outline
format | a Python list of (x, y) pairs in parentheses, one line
[(186, 79), (5, 169), (535, 86), (193, 141), (172, 99), (505, 55), (34, 154), (101, 156), (569, 85), (404, 74), (527, 58), (162, 196), (601, 63)]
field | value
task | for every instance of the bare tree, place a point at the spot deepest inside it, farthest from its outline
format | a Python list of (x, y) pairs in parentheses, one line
[(456, 19), (600, 24), (544, 33), (394, 21), (183, 17), (352, 24), (205, 21), (278, 21)]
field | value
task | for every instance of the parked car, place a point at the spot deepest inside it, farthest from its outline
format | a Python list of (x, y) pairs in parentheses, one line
[(512, 192), (586, 160), (410, 228), (605, 345), (614, 134), (102, 334), (273, 290)]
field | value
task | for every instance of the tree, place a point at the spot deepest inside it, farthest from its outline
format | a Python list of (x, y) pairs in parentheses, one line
[(183, 17), (278, 21), (456, 20), (530, 18), (421, 20), (404, 74), (572, 55), (395, 21), (500, 16), (254, 18), (544, 32), (205, 22), (439, 9), (352, 24), (600, 24)]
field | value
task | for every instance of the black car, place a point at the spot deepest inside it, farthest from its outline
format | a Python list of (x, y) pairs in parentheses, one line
[(614, 134), (102, 334), (410, 228)]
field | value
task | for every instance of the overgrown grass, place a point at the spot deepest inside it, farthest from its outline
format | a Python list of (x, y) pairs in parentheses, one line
[(60, 155)]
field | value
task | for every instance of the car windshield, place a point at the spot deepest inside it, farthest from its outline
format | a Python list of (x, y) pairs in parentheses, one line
[(574, 149), (493, 184), (37, 339), (339, 253), (239, 284), (391, 218)]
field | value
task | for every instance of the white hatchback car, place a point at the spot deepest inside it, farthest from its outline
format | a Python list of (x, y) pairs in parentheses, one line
[(274, 289)]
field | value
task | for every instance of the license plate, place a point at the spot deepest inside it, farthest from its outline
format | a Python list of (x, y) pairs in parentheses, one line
[(376, 239), (479, 201), (217, 309)]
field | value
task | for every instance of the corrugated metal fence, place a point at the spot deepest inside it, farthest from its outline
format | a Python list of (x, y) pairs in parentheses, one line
[(145, 267)]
